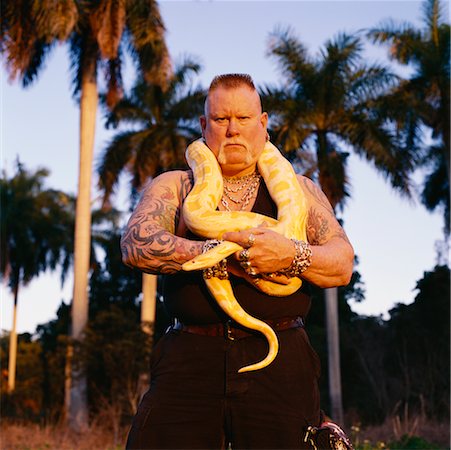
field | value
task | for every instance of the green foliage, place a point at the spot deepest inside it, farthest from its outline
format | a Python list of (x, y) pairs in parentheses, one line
[(367, 445), (420, 333), (116, 354), (167, 120), (411, 443), (316, 328), (36, 227), (326, 105), (99, 33), (423, 99), (405, 360), (387, 364), (25, 402), (111, 281), (53, 337)]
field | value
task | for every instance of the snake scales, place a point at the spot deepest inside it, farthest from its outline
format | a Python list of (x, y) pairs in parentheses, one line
[(202, 217)]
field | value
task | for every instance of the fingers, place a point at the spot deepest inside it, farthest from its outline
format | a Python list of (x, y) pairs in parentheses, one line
[(246, 238), (234, 268), (276, 278), (263, 251), (243, 257)]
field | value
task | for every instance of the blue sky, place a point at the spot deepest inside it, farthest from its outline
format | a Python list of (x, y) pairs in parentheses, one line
[(394, 239)]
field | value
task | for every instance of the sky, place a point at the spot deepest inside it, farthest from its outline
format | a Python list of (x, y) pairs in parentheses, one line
[(393, 238)]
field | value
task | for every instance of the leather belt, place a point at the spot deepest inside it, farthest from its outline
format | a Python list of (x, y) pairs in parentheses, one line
[(232, 330)]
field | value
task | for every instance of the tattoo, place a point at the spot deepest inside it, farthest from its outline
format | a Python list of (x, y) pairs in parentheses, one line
[(187, 184), (317, 194), (149, 242), (317, 227), (322, 224)]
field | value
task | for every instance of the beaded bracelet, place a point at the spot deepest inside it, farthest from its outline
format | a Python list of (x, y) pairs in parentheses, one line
[(301, 260), (218, 270)]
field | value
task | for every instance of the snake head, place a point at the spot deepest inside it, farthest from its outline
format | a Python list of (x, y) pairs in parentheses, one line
[(212, 256)]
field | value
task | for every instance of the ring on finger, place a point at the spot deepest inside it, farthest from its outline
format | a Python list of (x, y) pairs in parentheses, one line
[(244, 255), (251, 240), (246, 265), (251, 271)]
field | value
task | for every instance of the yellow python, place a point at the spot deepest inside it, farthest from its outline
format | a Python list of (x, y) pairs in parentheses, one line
[(202, 217)]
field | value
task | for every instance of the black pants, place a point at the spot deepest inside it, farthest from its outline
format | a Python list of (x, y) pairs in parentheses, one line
[(198, 400)]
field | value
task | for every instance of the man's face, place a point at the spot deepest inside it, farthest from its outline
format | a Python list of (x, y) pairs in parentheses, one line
[(234, 128)]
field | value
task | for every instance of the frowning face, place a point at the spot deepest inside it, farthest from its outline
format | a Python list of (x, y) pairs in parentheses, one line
[(234, 128)]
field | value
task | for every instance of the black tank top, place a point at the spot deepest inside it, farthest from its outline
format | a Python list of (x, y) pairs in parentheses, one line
[(187, 298)]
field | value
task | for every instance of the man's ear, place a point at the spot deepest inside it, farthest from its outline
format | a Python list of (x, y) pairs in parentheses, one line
[(264, 119), (203, 124)]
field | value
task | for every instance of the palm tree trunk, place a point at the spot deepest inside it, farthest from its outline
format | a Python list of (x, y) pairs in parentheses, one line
[(148, 308), (331, 297), (333, 355), (148, 305), (67, 380), (78, 407), (13, 346)]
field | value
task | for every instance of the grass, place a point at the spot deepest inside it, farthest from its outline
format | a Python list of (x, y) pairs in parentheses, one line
[(16, 436), (425, 435), (395, 434)]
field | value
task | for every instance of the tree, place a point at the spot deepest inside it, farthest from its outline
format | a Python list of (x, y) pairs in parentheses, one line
[(54, 340), (99, 33), (164, 122), (111, 281), (422, 100), (36, 225), (25, 402), (114, 341), (325, 108), (421, 359)]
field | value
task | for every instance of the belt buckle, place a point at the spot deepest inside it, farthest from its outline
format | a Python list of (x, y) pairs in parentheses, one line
[(229, 332)]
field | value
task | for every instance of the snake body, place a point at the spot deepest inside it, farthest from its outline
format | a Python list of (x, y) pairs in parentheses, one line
[(202, 217)]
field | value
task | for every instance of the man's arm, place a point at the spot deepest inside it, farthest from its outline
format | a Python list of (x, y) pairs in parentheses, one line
[(149, 242), (332, 253)]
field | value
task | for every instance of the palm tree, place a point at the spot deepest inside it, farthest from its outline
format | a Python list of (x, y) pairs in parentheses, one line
[(36, 228), (99, 33), (163, 121), (423, 99), (325, 108)]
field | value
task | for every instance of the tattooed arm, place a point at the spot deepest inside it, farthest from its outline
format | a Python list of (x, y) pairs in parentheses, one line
[(149, 242), (332, 254)]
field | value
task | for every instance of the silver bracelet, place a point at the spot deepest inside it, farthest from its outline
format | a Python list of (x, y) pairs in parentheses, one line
[(218, 270), (301, 260)]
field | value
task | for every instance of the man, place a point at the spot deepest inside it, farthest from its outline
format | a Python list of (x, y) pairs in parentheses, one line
[(197, 398)]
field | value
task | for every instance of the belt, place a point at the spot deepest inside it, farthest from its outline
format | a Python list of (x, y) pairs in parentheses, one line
[(232, 330)]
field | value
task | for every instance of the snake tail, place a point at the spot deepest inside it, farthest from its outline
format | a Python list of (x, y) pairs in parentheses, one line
[(223, 292)]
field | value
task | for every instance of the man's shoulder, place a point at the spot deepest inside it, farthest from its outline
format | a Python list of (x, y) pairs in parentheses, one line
[(313, 192), (176, 176), (179, 182), (306, 182)]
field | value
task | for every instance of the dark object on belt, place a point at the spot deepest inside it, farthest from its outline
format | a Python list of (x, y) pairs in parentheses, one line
[(329, 436), (232, 330)]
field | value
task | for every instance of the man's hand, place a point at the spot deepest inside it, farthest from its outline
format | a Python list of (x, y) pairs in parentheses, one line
[(233, 267), (268, 252)]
